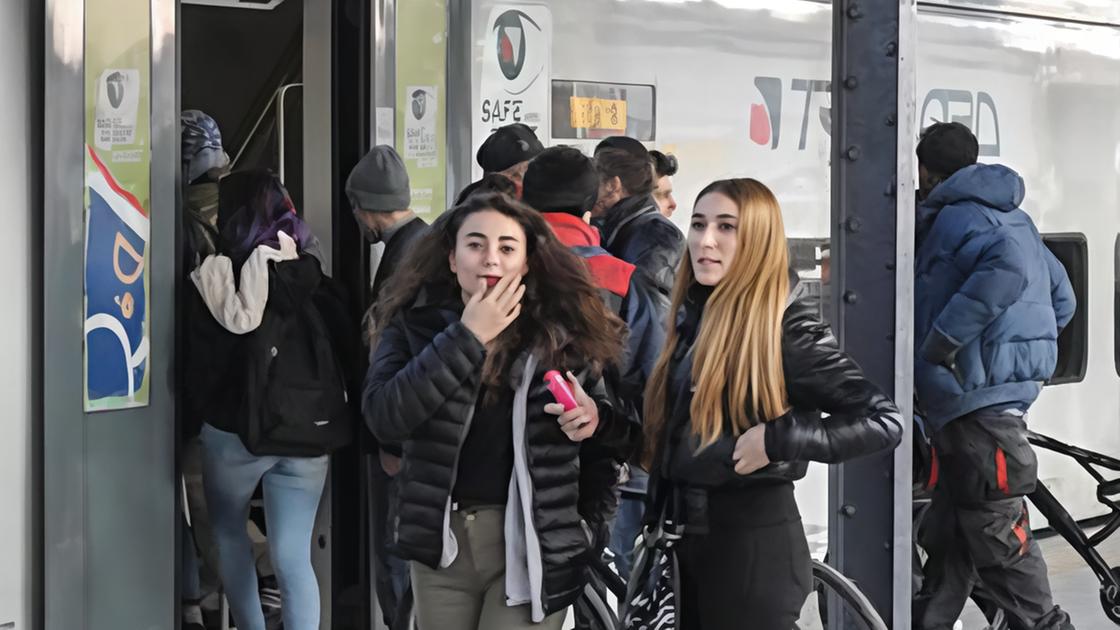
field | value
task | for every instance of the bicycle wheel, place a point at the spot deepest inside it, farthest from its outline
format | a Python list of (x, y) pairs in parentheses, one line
[(838, 595)]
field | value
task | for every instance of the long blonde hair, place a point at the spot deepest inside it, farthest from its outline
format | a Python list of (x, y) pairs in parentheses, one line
[(737, 360)]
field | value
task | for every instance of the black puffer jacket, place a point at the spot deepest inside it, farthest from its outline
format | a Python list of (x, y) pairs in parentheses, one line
[(819, 377), (421, 390), (636, 231)]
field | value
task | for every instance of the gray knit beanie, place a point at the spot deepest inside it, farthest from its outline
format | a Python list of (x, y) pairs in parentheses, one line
[(379, 182)]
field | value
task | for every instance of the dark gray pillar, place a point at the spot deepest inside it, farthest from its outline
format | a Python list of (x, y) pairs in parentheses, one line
[(64, 497), (872, 270), (109, 482)]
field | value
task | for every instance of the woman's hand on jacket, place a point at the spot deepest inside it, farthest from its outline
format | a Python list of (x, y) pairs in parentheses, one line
[(488, 314), (581, 422), (750, 450)]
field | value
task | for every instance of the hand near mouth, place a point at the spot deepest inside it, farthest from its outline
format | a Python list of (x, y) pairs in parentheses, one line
[(490, 311)]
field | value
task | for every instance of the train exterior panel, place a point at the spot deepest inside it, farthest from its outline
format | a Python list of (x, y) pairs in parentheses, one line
[(741, 88)]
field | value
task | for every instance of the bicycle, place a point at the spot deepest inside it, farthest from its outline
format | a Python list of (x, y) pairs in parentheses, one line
[(1061, 522), (829, 584)]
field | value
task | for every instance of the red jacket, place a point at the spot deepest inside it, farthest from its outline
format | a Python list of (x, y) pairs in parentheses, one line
[(609, 273)]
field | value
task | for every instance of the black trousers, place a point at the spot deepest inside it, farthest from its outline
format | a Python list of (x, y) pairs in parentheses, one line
[(977, 533), (752, 567)]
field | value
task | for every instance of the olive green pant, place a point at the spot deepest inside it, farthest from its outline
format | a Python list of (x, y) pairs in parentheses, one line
[(471, 593)]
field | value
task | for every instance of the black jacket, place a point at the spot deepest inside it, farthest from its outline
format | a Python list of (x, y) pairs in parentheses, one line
[(396, 249), (217, 380), (636, 231), (819, 377), (421, 390)]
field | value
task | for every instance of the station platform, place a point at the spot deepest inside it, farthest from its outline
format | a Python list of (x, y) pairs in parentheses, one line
[(1075, 587)]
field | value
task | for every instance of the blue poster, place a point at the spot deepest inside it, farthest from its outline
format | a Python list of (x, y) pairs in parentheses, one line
[(116, 326)]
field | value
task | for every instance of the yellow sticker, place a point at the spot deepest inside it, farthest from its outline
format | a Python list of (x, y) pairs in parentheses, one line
[(597, 113)]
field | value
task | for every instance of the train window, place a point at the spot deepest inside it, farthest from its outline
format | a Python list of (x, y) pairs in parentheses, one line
[(588, 109), (1072, 250), (809, 259)]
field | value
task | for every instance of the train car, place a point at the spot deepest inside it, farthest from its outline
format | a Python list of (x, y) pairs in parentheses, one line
[(731, 87), (742, 88)]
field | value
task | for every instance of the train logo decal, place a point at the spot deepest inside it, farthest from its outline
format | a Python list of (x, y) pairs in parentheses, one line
[(766, 117), (975, 110), (510, 28), (115, 310), (519, 40)]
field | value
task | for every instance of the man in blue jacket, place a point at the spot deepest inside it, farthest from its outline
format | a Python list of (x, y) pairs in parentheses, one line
[(990, 300)]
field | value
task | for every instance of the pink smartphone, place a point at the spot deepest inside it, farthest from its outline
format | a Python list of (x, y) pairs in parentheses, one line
[(558, 385)]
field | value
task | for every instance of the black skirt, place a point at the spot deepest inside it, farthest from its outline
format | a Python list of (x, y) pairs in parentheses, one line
[(752, 567)]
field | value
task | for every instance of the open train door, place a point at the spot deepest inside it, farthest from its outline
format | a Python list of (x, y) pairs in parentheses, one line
[(288, 82)]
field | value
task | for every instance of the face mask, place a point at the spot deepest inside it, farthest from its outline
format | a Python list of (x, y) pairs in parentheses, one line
[(369, 234)]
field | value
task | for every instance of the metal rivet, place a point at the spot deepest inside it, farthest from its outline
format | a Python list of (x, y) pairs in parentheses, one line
[(852, 153), (322, 542), (848, 510), (890, 120), (891, 266), (854, 224), (273, 351), (854, 12), (851, 83), (850, 297), (892, 48), (886, 546)]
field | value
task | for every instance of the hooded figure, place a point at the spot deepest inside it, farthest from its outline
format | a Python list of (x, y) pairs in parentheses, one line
[(990, 302)]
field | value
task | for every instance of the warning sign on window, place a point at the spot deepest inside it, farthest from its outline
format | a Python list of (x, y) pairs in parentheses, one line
[(597, 113)]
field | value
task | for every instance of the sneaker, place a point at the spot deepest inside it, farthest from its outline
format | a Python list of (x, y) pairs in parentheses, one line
[(192, 616), (269, 591), (271, 602)]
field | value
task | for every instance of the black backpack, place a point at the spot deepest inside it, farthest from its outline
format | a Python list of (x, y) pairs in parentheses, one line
[(297, 401)]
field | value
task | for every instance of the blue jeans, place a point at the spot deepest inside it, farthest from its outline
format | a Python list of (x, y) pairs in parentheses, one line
[(628, 522), (292, 489), (191, 588)]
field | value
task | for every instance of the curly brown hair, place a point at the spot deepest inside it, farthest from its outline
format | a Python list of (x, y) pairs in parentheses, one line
[(563, 318)]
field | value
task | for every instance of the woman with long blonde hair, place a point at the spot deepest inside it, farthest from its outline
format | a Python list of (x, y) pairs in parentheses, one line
[(733, 415)]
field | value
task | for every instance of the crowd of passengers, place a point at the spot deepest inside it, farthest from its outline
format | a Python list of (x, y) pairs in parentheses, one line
[(700, 383)]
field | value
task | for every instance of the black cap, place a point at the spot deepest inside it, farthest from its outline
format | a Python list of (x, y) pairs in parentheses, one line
[(946, 148), (625, 143), (561, 179), (508, 146)]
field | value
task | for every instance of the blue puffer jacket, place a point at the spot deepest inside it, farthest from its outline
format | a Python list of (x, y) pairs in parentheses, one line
[(990, 298)]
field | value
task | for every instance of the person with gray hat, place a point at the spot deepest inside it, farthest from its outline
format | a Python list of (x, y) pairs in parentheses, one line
[(380, 195)]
